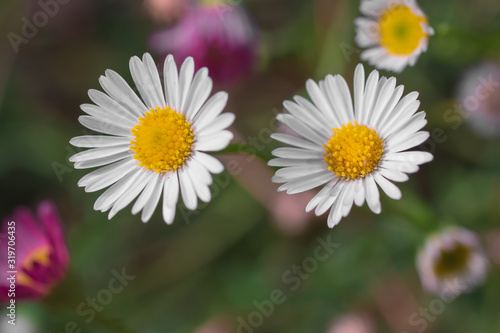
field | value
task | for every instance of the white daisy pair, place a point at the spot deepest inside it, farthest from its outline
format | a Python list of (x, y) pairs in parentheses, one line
[(158, 144), (155, 145), (394, 33)]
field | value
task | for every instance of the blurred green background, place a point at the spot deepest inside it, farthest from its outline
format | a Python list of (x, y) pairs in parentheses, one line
[(206, 270)]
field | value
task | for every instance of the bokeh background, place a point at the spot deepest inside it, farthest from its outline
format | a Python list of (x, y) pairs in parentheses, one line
[(207, 271)]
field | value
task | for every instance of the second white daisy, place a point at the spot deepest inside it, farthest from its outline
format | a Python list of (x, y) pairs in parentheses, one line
[(350, 148), (155, 145), (394, 33)]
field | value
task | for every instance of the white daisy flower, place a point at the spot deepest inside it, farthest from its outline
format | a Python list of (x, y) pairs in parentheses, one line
[(394, 33), (350, 149), (452, 262), (155, 145)]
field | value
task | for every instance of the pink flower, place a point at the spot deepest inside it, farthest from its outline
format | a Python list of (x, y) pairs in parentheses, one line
[(479, 94), (219, 37), (41, 256)]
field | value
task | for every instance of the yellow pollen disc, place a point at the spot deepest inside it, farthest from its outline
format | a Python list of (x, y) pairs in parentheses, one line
[(163, 140), (401, 30), (354, 151)]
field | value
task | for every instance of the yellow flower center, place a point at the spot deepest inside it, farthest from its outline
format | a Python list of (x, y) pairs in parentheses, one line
[(163, 140), (453, 261), (354, 151), (40, 255), (401, 30)]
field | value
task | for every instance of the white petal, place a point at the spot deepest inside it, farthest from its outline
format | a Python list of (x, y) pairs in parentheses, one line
[(187, 191), (135, 188), (307, 118), (336, 212), (359, 194), (416, 123), (370, 96), (201, 172), (359, 91), (348, 199), (330, 198), (316, 117), (414, 157), (107, 108), (220, 123), (101, 161), (144, 83), (393, 101), (170, 198), (185, 80), (198, 93), (302, 128), (372, 195), (296, 153), (367, 32), (171, 84), (200, 187), (212, 108), (389, 188), (96, 153), (405, 167), (152, 203), (321, 103), (118, 89), (410, 142), (339, 96), (214, 142), (107, 175), (297, 142), (146, 194), (290, 173), (285, 162), (384, 97), (208, 161), (98, 141), (154, 76), (109, 197), (321, 195), (394, 175), (305, 183), (104, 126)]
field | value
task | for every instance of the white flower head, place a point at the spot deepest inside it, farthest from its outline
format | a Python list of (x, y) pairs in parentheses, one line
[(156, 145), (393, 32), (350, 148), (452, 261)]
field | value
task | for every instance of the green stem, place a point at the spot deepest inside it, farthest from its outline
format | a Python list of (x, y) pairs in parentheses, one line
[(246, 148)]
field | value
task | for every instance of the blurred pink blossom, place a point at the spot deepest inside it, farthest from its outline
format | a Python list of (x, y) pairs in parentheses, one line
[(41, 255), (220, 37), (479, 95), (351, 323)]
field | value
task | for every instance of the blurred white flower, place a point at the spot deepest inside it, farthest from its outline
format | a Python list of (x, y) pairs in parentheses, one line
[(452, 261), (479, 95), (394, 33)]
